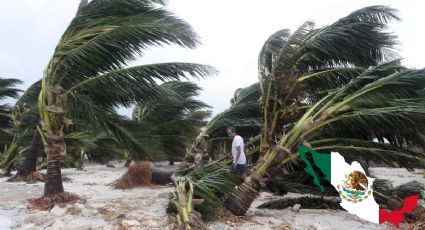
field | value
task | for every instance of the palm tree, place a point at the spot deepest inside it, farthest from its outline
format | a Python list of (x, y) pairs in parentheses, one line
[(7, 120), (86, 77), (26, 118), (243, 114), (6, 90), (173, 120), (337, 102), (382, 103), (296, 70)]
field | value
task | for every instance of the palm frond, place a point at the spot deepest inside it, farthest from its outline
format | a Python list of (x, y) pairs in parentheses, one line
[(105, 35), (135, 84), (6, 88), (175, 118), (30, 96), (270, 50), (384, 107), (353, 149), (248, 94), (212, 183)]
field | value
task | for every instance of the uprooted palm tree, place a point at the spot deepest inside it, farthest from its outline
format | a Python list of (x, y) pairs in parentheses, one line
[(243, 114), (86, 77), (318, 90)]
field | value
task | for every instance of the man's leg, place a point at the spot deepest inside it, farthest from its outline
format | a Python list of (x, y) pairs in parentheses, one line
[(240, 169)]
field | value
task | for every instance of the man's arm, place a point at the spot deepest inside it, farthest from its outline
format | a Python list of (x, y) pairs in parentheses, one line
[(238, 153)]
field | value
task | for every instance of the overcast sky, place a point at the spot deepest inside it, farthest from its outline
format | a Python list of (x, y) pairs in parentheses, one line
[(232, 33)]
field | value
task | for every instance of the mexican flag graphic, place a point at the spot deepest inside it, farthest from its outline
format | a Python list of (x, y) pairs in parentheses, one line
[(354, 186)]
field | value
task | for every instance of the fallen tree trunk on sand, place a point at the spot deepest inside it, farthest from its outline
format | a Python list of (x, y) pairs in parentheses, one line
[(142, 173)]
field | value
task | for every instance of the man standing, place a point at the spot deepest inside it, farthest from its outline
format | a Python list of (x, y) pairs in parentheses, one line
[(238, 153)]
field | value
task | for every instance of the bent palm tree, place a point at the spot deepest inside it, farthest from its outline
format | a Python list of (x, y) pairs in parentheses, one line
[(173, 119), (337, 103), (296, 70), (381, 103), (86, 79)]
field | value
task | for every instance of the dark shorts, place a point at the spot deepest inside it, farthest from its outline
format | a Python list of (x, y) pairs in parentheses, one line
[(239, 169)]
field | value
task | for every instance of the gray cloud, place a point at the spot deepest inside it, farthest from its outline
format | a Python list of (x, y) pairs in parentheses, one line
[(232, 33)]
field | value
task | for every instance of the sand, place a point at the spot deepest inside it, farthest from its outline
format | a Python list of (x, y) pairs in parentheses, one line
[(144, 207)]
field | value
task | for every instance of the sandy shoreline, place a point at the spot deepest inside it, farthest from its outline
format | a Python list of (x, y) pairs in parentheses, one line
[(144, 208)]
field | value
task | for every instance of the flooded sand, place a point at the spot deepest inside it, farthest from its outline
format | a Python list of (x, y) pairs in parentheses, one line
[(145, 207)]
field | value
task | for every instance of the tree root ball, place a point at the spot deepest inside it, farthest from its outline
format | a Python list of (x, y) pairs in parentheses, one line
[(139, 173)]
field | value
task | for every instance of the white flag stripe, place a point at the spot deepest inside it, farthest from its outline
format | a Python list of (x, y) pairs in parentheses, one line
[(366, 209)]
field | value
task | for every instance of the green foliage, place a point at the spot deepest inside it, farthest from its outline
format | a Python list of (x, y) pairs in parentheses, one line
[(212, 183), (344, 73), (386, 107), (338, 88), (242, 114), (7, 90), (297, 69), (170, 123)]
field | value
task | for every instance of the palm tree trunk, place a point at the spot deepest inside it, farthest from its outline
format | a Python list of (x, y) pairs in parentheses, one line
[(30, 163), (240, 200), (53, 149)]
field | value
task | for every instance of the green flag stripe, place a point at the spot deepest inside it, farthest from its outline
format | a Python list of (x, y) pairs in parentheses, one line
[(323, 162)]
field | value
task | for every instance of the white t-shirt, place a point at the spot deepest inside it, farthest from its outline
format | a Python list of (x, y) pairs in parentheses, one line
[(238, 141)]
